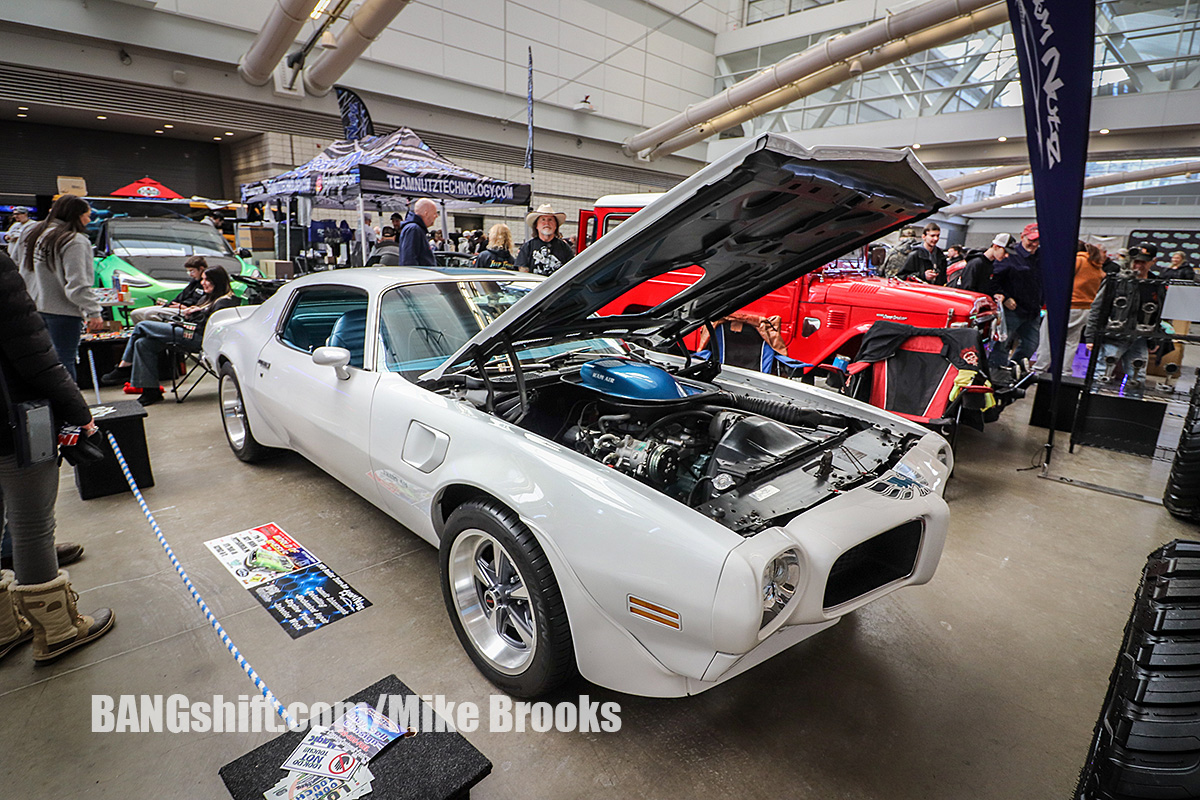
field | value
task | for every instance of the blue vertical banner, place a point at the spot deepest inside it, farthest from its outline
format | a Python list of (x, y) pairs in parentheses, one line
[(1055, 46), (356, 120), (529, 114)]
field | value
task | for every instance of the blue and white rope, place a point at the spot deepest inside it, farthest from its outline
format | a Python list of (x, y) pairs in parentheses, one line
[(212, 620)]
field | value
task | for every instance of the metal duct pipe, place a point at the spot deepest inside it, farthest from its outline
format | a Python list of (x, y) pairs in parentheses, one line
[(980, 178), (281, 29), (812, 82), (367, 23), (1114, 179)]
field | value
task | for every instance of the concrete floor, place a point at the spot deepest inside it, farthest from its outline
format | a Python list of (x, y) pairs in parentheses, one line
[(985, 683)]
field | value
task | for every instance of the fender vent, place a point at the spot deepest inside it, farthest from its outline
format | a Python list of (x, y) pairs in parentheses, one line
[(888, 557), (836, 319)]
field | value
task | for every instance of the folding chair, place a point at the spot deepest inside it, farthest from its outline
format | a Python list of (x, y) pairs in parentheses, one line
[(739, 341), (184, 364), (935, 376)]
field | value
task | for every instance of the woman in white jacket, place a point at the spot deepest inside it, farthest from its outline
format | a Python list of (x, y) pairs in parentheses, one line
[(59, 273)]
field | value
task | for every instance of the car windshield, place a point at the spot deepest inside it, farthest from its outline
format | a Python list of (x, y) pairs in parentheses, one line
[(421, 325), (140, 238)]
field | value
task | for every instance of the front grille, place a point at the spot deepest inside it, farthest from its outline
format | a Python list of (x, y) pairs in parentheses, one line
[(890, 556)]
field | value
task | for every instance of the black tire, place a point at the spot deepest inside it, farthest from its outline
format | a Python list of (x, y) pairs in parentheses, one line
[(1146, 741), (503, 601), (1182, 495), (233, 415)]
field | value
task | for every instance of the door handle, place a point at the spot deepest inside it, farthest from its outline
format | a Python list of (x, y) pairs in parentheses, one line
[(264, 364)]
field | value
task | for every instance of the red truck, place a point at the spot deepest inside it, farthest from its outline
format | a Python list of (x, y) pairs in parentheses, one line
[(821, 314)]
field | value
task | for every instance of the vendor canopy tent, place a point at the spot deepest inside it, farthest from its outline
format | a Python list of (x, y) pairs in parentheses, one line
[(385, 170), (147, 187)]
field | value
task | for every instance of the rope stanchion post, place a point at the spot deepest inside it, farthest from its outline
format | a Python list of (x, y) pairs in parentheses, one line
[(212, 620)]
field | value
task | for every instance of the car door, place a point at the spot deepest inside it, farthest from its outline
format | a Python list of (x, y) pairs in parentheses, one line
[(412, 428), (324, 417)]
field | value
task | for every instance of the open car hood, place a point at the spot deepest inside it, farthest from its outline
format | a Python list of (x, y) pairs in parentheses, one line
[(758, 217)]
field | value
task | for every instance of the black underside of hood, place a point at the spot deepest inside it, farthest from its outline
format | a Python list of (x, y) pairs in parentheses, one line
[(755, 219)]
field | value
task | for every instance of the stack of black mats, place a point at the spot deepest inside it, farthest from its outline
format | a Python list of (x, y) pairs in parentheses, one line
[(1147, 740), (1182, 495)]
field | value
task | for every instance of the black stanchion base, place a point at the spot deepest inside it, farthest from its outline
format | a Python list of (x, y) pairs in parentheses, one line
[(124, 422), (427, 766)]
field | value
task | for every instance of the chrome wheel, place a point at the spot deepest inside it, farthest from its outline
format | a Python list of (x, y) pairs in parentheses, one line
[(492, 600), (233, 412)]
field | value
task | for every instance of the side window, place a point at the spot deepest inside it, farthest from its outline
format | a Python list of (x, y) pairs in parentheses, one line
[(613, 220), (331, 316)]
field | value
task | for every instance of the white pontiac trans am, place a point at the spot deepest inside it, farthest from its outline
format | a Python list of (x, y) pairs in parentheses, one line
[(655, 522)]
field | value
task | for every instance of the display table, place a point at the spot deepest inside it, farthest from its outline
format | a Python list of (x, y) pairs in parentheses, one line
[(123, 419), (106, 348)]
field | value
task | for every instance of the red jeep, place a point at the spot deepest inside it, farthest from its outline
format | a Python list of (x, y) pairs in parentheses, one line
[(821, 314)]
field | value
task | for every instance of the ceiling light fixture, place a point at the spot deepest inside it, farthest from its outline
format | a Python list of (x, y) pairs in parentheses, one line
[(101, 116), (916, 146), (319, 10), (22, 115), (1104, 131), (1001, 138), (22, 108), (168, 126), (229, 133), (585, 105), (216, 138), (158, 131)]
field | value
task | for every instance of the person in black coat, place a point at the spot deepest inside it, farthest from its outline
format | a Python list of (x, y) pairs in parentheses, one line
[(413, 238), (926, 261), (36, 601)]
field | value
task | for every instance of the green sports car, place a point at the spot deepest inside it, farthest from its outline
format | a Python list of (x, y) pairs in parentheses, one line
[(146, 256)]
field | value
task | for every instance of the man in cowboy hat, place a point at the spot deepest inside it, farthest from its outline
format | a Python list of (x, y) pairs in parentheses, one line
[(545, 252)]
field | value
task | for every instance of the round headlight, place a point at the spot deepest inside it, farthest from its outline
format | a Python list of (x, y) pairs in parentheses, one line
[(779, 582)]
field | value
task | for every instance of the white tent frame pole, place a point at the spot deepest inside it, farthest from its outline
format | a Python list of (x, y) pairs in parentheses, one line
[(445, 223), (287, 236), (362, 230)]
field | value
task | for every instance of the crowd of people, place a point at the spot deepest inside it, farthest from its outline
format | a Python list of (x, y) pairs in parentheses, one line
[(1010, 270), (413, 240)]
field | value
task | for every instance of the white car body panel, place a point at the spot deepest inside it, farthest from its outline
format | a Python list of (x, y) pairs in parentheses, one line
[(617, 534), (606, 535)]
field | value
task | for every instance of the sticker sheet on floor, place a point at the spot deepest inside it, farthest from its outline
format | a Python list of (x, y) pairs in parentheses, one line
[(299, 591)]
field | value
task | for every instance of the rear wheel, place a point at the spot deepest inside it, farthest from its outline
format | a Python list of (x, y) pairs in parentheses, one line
[(503, 601), (237, 425)]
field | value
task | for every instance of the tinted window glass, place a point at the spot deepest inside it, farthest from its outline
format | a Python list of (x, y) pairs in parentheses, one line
[(333, 316), (166, 238)]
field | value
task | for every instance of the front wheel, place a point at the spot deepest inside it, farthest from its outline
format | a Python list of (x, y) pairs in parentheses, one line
[(503, 601), (237, 425)]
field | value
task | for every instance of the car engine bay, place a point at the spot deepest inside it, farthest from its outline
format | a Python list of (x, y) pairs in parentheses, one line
[(742, 458)]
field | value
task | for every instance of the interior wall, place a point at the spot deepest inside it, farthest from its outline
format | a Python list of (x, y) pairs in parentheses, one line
[(36, 154)]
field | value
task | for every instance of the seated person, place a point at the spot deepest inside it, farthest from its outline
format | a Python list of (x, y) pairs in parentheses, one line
[(190, 296), (139, 364)]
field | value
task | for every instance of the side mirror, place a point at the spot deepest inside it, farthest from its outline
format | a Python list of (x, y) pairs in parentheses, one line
[(244, 254), (98, 251), (336, 357)]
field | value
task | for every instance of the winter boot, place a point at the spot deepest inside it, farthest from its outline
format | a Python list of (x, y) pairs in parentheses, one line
[(14, 628), (57, 626)]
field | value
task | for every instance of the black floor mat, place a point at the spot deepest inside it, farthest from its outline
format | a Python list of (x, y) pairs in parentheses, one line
[(424, 767)]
